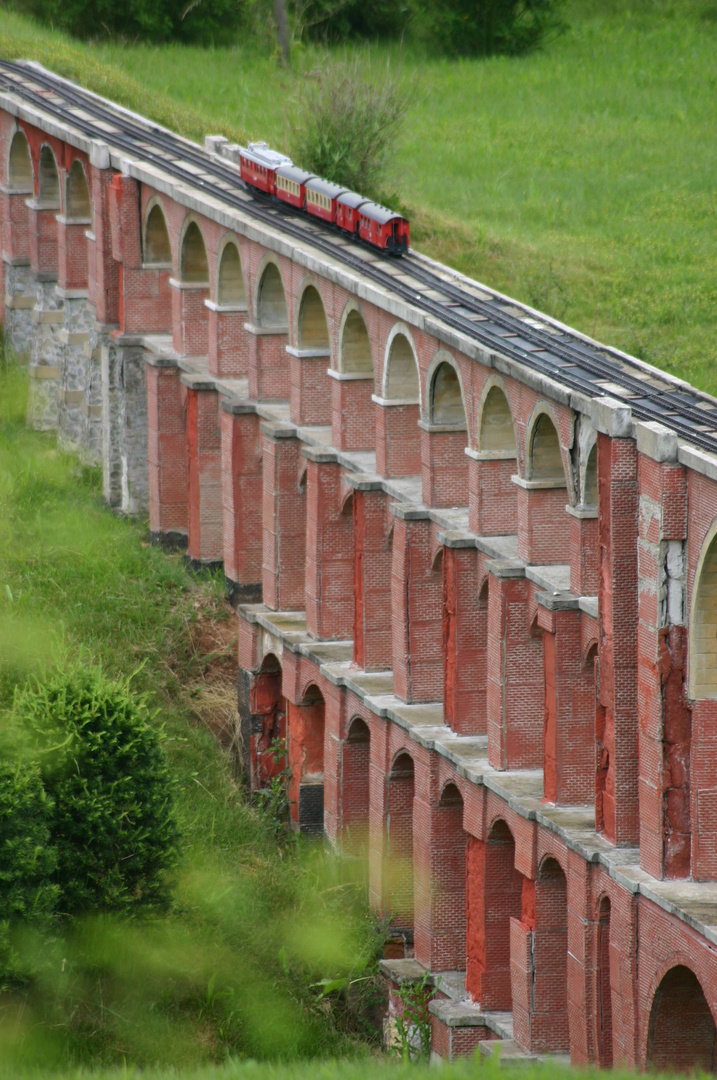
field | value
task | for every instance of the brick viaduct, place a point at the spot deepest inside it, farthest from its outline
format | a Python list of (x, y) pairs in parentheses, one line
[(482, 609)]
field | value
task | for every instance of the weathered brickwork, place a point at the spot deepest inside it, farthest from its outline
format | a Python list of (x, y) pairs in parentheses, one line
[(481, 609)]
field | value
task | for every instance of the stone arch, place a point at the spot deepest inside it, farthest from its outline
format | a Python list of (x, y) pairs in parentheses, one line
[(157, 248), (312, 328), (355, 786), (589, 490), (355, 357), (450, 796), (193, 262), (231, 291), (445, 392), (604, 992), (398, 875), (19, 167), (550, 954), (268, 704), (78, 193), (49, 179), (492, 870), (544, 455), (271, 309), (401, 379), (306, 759), (703, 622), (681, 1031), (496, 431)]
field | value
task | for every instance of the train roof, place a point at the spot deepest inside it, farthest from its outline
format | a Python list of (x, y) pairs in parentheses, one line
[(325, 187), (292, 172), (352, 199), (379, 213), (262, 154)]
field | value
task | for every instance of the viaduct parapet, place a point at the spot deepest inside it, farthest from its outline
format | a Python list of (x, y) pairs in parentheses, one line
[(472, 555)]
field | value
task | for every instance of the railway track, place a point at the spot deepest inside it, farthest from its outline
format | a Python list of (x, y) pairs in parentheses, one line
[(489, 319)]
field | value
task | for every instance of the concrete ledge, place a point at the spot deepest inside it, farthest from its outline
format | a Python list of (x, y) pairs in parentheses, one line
[(611, 417), (198, 381), (308, 354), (655, 440), (582, 513), (74, 337), (388, 402), (505, 568), (424, 425), (225, 309), (403, 972), (349, 376), (266, 331), (322, 454), (491, 455), (538, 485)]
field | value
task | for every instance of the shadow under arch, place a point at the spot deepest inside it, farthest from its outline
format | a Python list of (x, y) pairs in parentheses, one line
[(78, 193), (312, 329), (398, 869), (193, 263), (231, 291), (496, 430), (19, 171), (271, 309), (681, 1032), (355, 357), (157, 248), (446, 397), (49, 180)]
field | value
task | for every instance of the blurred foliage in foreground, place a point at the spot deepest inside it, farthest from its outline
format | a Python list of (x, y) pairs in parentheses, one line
[(258, 925)]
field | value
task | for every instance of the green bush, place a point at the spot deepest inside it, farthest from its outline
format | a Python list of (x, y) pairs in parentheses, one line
[(486, 27), (327, 20), (347, 121), (103, 765), (27, 861), (149, 20)]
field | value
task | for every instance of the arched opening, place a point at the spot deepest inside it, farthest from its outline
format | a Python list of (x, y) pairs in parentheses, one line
[(157, 249), (497, 434), (448, 883), (269, 711), (78, 195), (494, 898), (399, 843), (49, 181), (230, 289), (271, 303), (546, 462), (703, 644), (355, 788), (590, 485), (446, 397), (194, 264), (604, 995), (355, 349), (306, 760), (681, 1034), (313, 328), (550, 958), (402, 373), (20, 163)]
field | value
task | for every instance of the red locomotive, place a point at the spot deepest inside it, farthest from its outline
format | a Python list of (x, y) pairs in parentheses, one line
[(276, 174)]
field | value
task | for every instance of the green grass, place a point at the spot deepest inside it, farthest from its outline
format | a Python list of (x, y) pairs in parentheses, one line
[(579, 179), (257, 920)]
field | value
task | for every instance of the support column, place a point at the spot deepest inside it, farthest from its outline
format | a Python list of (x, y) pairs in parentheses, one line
[(616, 805), (284, 519), (352, 411), (268, 362), (665, 721), (229, 342), (398, 449), (492, 495), (18, 298), (465, 630), (440, 890), (444, 468), (543, 525), (584, 568), (241, 500), (204, 460), (166, 453), (372, 550), (329, 555), (569, 746), (515, 697), (310, 400), (416, 595), (46, 353), (124, 413)]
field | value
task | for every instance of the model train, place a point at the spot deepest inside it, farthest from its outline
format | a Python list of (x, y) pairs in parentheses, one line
[(275, 173)]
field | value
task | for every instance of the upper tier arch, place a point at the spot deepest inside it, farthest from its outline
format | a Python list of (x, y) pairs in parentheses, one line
[(271, 309), (401, 380), (49, 180), (231, 290), (19, 167), (78, 193), (193, 263), (157, 248)]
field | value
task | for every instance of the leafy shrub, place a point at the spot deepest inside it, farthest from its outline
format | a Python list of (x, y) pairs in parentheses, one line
[(329, 20), (103, 765), (347, 121), (27, 860), (486, 27), (153, 20)]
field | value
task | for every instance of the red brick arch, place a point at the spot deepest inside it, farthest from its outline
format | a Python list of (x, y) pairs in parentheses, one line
[(681, 1032)]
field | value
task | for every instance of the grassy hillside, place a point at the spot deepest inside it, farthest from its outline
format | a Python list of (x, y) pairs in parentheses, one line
[(580, 179), (258, 918)]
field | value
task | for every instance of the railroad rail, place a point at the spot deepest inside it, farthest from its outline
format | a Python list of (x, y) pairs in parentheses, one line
[(492, 320)]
